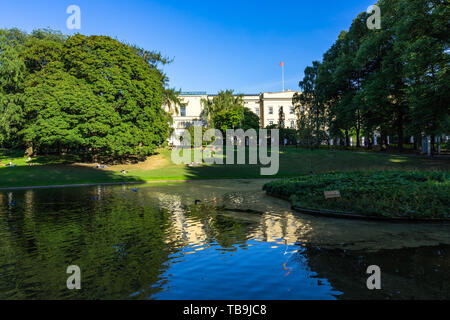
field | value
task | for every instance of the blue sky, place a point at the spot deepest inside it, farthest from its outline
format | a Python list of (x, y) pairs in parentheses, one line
[(216, 44)]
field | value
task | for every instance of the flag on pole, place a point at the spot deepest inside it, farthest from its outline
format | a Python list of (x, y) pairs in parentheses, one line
[(281, 63), (282, 73)]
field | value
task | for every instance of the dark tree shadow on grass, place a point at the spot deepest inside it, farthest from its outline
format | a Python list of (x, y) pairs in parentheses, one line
[(44, 175), (298, 162)]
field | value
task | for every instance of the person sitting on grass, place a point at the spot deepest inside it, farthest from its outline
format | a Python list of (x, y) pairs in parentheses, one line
[(123, 172)]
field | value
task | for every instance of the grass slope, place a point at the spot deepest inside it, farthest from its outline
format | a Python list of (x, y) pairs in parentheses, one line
[(293, 162)]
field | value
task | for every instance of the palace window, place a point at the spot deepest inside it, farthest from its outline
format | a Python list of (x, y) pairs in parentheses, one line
[(270, 110), (183, 111), (292, 110)]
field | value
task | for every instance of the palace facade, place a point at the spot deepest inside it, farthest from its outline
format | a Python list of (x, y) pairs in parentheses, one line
[(266, 105)]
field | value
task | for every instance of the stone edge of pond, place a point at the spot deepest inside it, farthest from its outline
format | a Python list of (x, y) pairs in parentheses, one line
[(354, 216), (88, 185), (123, 183), (345, 215)]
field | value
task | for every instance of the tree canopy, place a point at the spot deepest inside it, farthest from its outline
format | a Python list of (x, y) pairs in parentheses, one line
[(393, 81), (226, 111), (77, 94)]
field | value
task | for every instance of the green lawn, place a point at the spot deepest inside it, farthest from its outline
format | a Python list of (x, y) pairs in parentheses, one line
[(293, 162)]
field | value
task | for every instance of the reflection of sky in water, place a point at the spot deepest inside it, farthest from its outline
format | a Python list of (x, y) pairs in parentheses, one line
[(270, 262), (251, 271), (262, 267)]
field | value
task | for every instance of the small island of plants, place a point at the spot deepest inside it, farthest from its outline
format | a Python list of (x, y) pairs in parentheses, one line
[(409, 195)]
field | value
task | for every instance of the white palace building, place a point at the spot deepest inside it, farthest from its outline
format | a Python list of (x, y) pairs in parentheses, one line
[(266, 105)]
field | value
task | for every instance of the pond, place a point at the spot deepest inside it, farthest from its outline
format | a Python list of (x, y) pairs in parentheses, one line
[(154, 242)]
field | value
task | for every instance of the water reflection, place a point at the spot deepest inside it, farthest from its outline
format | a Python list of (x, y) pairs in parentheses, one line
[(283, 229), (409, 273), (154, 242)]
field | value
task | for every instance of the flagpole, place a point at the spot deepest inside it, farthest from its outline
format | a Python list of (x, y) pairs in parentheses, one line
[(282, 74)]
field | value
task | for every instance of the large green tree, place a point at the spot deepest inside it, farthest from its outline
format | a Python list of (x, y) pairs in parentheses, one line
[(12, 75), (250, 120), (311, 110), (224, 111), (394, 81), (422, 30), (130, 88), (93, 95)]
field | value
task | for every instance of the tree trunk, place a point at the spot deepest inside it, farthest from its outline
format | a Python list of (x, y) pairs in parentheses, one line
[(29, 149), (347, 139), (358, 143), (433, 150), (382, 141), (420, 144), (400, 133), (358, 129)]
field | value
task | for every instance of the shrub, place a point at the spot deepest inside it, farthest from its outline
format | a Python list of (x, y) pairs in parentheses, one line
[(395, 194)]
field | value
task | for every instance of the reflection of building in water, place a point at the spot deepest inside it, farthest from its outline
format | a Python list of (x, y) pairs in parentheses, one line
[(10, 199), (99, 192), (281, 229), (183, 229), (29, 202)]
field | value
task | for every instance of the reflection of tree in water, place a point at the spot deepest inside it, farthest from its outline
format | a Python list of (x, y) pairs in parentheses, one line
[(223, 221), (118, 244), (226, 230), (409, 273), (124, 244), (204, 223)]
